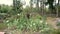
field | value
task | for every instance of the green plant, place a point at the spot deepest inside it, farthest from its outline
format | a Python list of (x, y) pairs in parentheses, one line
[(24, 24)]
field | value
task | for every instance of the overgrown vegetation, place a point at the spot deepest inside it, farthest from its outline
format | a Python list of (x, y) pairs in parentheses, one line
[(29, 18), (35, 23)]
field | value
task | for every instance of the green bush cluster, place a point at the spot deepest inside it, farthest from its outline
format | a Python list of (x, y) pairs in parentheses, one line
[(22, 23)]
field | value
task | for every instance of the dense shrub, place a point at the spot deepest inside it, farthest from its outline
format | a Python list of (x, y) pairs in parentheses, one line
[(32, 24)]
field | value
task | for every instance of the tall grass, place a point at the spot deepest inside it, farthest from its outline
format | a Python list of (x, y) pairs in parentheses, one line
[(34, 24)]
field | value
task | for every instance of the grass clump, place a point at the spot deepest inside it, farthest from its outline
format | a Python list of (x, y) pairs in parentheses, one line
[(23, 24)]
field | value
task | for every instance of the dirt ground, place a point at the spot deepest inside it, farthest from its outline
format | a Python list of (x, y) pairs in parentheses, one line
[(53, 21)]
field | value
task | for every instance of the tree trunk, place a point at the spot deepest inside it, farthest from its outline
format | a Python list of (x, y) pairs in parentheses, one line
[(58, 2), (42, 6), (31, 4), (37, 5)]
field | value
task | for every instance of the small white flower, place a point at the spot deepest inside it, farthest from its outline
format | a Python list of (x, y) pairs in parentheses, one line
[(18, 14), (41, 21), (42, 30), (30, 25), (33, 23), (46, 23), (34, 31), (7, 21)]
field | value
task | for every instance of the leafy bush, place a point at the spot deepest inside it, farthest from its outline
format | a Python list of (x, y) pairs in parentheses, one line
[(5, 8), (24, 24)]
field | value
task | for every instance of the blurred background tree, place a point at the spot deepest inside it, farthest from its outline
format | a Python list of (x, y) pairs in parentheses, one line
[(17, 6)]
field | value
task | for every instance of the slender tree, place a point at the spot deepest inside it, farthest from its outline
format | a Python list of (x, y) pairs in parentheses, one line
[(37, 4), (14, 4), (58, 8), (51, 7), (17, 6), (31, 4), (58, 2), (42, 6)]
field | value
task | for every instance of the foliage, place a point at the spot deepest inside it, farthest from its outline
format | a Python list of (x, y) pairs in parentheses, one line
[(33, 24), (28, 9), (50, 2), (3, 8), (17, 6)]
